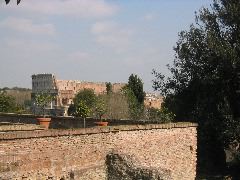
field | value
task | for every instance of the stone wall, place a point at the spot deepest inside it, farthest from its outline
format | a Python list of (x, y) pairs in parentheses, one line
[(168, 150), (75, 86)]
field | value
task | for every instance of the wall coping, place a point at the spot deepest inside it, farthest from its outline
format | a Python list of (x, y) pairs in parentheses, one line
[(71, 118), (94, 130)]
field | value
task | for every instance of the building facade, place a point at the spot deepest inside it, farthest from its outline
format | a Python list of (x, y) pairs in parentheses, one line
[(153, 100)]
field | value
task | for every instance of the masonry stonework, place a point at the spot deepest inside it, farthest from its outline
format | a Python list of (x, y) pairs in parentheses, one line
[(167, 150)]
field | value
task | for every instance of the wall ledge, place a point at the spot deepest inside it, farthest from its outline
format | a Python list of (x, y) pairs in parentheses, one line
[(94, 130)]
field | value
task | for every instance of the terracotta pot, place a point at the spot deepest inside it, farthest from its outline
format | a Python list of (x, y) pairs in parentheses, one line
[(44, 122), (101, 123)]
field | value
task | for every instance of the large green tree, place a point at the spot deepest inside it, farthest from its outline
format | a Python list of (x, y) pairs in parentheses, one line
[(87, 96), (83, 103), (204, 85), (136, 109), (136, 85), (135, 95)]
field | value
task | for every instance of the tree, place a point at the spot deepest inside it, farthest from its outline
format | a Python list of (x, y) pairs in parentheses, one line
[(204, 85), (71, 110), (84, 101), (7, 103), (162, 115), (82, 110), (136, 109), (116, 105), (135, 95), (87, 96), (100, 107), (109, 88), (136, 85)]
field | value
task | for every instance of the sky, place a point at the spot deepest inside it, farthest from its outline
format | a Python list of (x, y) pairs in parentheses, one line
[(91, 40)]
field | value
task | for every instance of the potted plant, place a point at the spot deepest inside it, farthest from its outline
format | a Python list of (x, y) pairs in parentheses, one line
[(42, 100), (100, 110)]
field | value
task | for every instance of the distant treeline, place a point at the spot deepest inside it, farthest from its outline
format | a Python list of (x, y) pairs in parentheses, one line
[(16, 88), (21, 97)]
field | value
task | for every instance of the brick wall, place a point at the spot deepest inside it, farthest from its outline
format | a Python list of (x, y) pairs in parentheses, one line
[(81, 153)]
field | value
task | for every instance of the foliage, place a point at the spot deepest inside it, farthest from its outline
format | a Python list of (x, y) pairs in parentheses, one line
[(135, 84), (109, 88), (7, 103), (100, 107), (87, 96), (84, 102), (20, 95), (204, 84), (135, 96), (42, 99), (7, 1), (82, 110), (116, 105), (27, 104), (163, 115), (71, 110), (136, 109)]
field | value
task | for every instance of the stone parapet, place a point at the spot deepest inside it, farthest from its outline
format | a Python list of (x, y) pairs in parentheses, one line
[(95, 130)]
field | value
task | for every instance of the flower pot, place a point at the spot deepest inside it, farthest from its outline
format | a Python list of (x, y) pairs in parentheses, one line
[(44, 122), (101, 123)]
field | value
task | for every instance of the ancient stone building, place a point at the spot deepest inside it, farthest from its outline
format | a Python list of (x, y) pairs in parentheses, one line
[(65, 90), (153, 100)]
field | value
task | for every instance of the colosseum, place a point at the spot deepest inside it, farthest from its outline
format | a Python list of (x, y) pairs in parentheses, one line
[(65, 91)]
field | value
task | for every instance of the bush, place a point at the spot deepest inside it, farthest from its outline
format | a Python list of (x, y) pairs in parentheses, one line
[(7, 103), (162, 115), (116, 106)]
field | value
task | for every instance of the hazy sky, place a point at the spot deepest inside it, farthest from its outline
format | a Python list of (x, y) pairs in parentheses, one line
[(90, 40)]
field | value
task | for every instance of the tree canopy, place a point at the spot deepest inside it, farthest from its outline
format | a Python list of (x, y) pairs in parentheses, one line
[(204, 85), (83, 103), (136, 85), (109, 88), (87, 96), (135, 96)]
